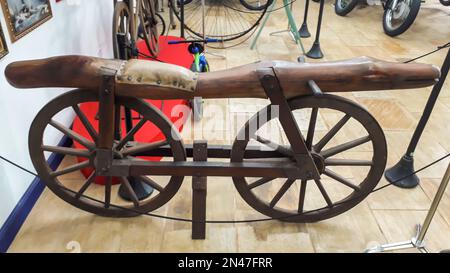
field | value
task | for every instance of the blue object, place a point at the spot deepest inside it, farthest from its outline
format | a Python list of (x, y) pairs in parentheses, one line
[(209, 40), (203, 63), (195, 50)]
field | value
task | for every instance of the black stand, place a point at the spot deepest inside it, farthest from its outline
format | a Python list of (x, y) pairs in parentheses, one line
[(142, 190), (303, 31), (406, 164), (181, 18), (315, 52)]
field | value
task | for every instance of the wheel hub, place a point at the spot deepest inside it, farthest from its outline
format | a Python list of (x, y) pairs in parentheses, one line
[(319, 161), (399, 11)]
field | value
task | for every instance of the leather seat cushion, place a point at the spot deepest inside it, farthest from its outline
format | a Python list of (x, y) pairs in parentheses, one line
[(159, 74)]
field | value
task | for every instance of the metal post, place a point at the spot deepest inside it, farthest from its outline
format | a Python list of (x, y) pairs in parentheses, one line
[(315, 52), (269, 11), (303, 31), (181, 18), (418, 241), (406, 164), (434, 205)]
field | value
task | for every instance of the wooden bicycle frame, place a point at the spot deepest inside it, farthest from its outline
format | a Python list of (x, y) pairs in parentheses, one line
[(107, 166)]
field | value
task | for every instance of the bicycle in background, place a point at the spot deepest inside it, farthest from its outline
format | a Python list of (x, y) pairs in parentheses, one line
[(133, 20), (200, 65)]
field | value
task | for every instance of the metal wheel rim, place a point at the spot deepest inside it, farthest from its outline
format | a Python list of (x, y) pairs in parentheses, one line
[(393, 23), (342, 3)]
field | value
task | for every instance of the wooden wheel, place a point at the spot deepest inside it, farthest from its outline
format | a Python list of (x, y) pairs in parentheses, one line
[(347, 145), (49, 122), (123, 32), (225, 20), (148, 30)]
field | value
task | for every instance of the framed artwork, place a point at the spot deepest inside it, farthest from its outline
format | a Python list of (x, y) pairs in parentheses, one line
[(23, 16), (3, 45)]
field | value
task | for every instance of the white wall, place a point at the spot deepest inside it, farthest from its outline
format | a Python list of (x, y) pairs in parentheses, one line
[(77, 27)]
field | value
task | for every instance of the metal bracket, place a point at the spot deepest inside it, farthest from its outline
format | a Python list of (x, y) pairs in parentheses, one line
[(315, 88), (272, 87), (103, 161)]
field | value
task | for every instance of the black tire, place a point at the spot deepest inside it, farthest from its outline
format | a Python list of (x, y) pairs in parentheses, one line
[(161, 24), (445, 2), (253, 6), (185, 2), (392, 31), (342, 7)]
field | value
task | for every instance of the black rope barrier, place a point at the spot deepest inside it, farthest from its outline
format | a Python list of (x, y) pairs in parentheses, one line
[(228, 221)]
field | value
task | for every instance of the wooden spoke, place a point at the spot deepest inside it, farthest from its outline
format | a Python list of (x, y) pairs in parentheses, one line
[(277, 147), (311, 127), (108, 183), (66, 151), (86, 123), (323, 192), (144, 147), (333, 131), (151, 183), (301, 200), (131, 134), (73, 135), (71, 169), (333, 198), (341, 179), (80, 194), (347, 162), (345, 146), (86, 185), (281, 192), (130, 191), (260, 182)]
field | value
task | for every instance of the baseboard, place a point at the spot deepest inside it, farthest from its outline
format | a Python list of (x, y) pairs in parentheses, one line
[(20, 212)]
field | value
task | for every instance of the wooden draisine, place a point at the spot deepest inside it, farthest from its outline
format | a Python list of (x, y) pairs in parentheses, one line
[(301, 178)]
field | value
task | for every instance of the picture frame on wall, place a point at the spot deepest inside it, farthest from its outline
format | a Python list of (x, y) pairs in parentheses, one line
[(3, 45), (23, 16)]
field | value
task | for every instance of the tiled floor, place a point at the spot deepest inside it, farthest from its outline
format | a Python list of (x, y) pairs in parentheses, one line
[(389, 215)]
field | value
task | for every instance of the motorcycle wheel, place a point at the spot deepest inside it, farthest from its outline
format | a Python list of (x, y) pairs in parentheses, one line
[(256, 5), (343, 7), (398, 20), (445, 2)]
